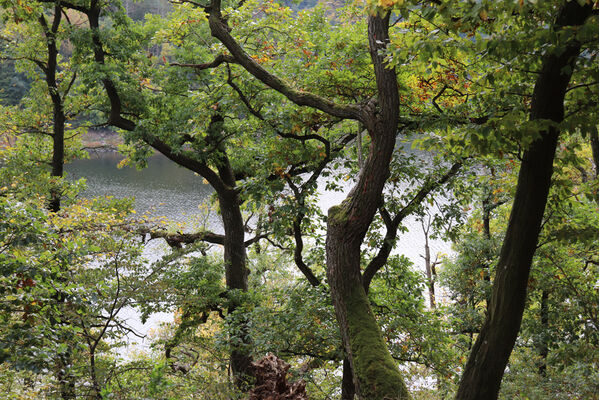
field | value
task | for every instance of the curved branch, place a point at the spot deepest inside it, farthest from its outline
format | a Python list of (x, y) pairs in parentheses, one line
[(177, 239), (220, 59), (221, 31)]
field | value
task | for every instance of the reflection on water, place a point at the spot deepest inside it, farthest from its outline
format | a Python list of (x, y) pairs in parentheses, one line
[(163, 188)]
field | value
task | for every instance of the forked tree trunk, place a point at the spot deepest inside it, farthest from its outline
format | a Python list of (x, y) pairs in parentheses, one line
[(376, 374), (485, 367)]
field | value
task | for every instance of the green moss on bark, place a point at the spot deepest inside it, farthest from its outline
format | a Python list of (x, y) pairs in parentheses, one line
[(377, 372), (339, 214)]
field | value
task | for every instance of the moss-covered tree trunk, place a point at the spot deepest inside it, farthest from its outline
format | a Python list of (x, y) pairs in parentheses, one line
[(489, 356), (376, 374)]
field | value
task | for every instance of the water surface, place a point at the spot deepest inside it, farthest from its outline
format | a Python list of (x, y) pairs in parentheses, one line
[(163, 188)]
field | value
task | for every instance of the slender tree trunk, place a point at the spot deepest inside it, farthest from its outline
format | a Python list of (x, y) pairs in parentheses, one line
[(487, 215), (595, 148), (429, 267), (58, 121), (489, 356), (544, 343), (97, 395), (487, 234), (57, 152)]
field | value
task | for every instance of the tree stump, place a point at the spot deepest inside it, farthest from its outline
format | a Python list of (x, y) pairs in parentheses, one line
[(271, 381)]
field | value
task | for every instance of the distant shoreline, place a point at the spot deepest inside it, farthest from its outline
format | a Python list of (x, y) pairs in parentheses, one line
[(94, 140), (101, 140)]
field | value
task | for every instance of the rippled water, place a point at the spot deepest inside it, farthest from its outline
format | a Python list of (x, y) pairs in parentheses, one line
[(163, 188)]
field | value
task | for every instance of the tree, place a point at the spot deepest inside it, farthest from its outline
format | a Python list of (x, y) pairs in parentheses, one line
[(489, 356), (265, 89)]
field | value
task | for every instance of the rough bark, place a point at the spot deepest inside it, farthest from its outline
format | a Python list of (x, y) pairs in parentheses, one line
[(376, 375), (487, 361), (348, 390), (235, 271)]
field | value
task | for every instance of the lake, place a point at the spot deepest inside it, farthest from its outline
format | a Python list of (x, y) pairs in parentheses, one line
[(176, 193), (165, 189)]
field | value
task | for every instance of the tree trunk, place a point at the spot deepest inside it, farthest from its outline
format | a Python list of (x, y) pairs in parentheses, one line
[(223, 183), (543, 344), (57, 152), (376, 374), (429, 267), (58, 119), (236, 279), (236, 271), (97, 392), (489, 356), (595, 148)]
